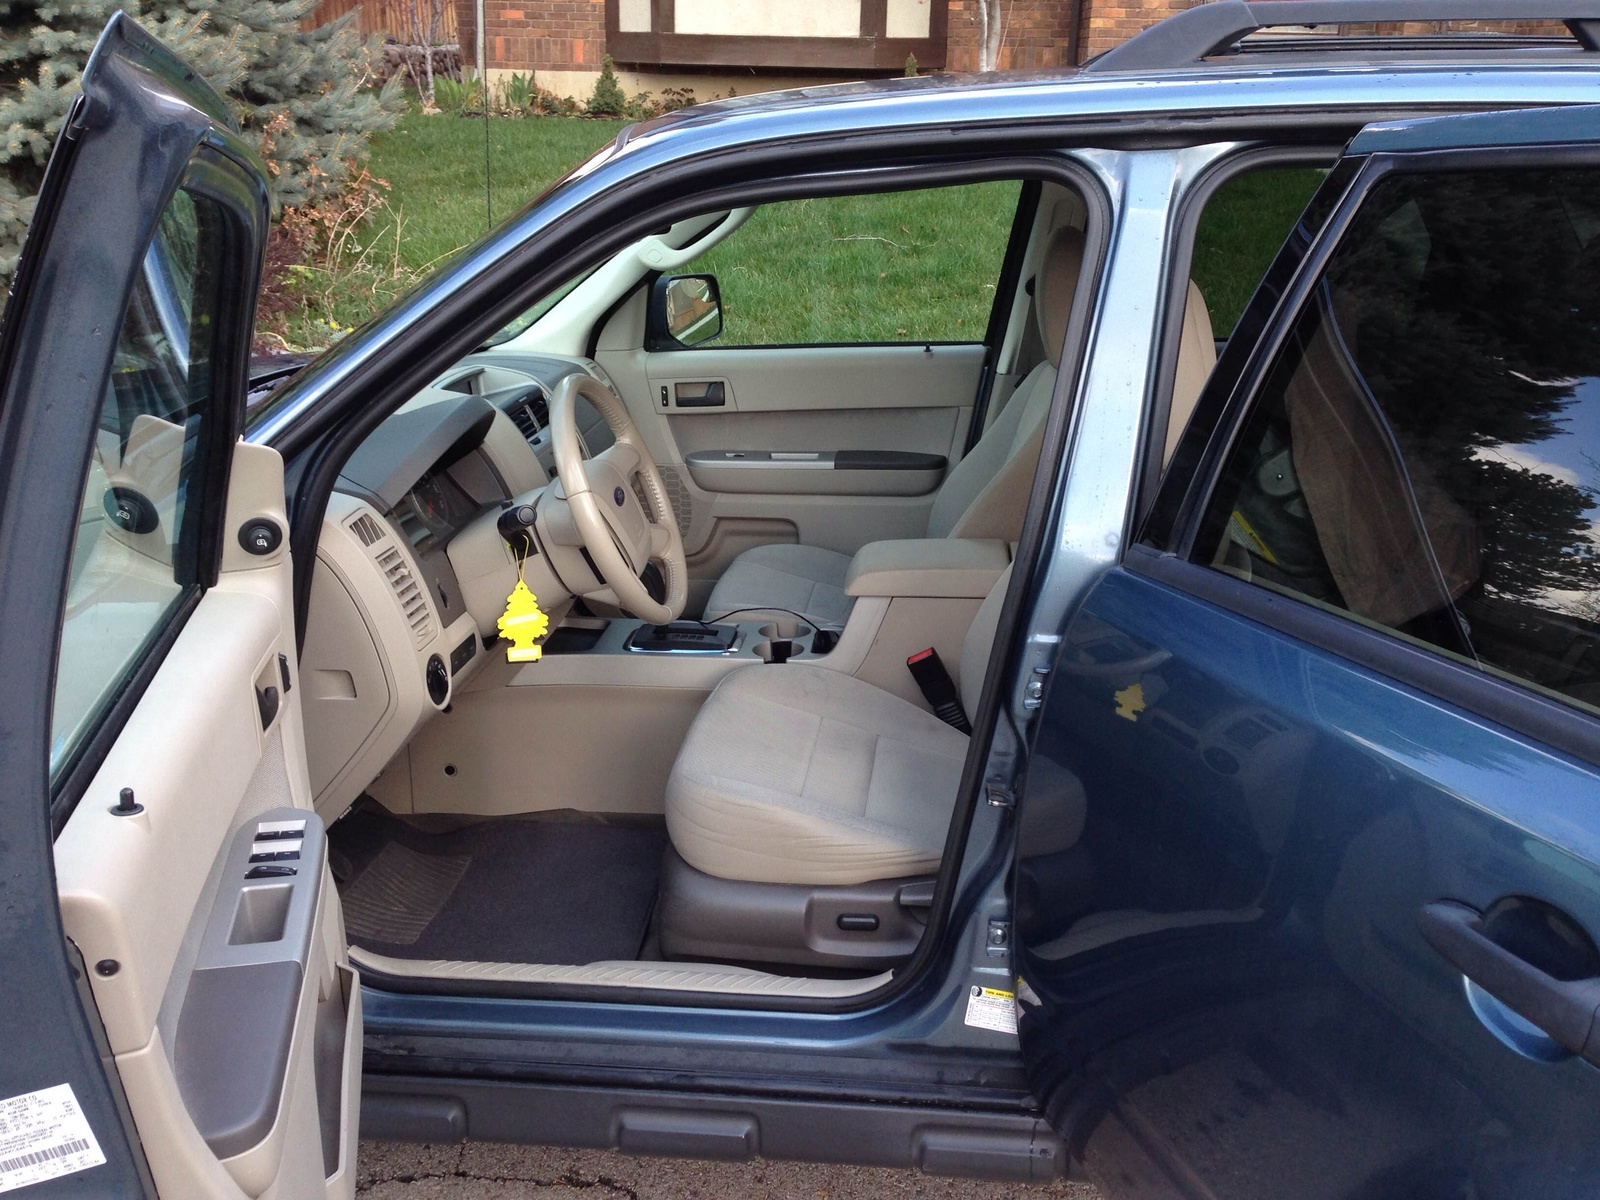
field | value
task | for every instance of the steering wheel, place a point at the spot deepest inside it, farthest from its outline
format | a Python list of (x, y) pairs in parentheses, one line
[(621, 535)]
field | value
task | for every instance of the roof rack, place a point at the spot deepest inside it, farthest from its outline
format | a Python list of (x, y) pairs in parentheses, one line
[(1213, 28)]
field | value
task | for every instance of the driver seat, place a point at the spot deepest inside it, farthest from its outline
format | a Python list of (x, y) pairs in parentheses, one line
[(985, 495), (808, 812)]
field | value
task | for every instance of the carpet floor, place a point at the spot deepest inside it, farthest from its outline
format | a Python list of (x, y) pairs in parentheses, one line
[(563, 888)]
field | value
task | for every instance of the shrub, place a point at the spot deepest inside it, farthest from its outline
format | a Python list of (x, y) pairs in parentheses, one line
[(548, 104), (518, 95), (672, 99), (459, 96), (608, 100), (911, 66), (319, 264), (305, 96)]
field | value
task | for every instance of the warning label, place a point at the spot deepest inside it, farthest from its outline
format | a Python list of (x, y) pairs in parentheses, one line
[(991, 1008), (44, 1135)]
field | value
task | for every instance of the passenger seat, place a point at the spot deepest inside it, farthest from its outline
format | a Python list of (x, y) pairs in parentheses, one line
[(984, 496), (1197, 354)]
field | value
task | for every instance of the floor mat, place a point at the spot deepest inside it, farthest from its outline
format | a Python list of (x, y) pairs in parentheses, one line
[(399, 894), (509, 889)]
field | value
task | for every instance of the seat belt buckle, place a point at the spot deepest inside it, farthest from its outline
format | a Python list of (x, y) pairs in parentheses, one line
[(938, 689)]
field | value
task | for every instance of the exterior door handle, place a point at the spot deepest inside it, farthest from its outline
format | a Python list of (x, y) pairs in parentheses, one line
[(1568, 1010)]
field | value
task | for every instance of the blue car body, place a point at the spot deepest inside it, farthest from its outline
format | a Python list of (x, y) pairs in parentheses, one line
[(1261, 969)]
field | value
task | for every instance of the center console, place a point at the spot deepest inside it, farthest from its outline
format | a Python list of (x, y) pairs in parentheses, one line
[(684, 637), (782, 639)]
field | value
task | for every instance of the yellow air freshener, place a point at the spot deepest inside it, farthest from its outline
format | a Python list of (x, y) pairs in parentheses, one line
[(523, 624)]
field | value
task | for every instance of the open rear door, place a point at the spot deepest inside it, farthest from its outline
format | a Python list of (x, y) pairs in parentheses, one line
[(1322, 920), (180, 1018)]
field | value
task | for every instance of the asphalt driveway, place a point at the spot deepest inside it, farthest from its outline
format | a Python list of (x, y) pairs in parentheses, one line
[(488, 1171)]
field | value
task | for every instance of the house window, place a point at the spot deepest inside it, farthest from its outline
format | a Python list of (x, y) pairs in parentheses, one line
[(823, 35)]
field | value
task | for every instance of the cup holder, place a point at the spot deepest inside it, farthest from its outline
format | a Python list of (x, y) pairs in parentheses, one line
[(785, 628), (777, 650)]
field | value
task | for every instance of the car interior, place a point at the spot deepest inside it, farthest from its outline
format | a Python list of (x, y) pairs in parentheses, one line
[(720, 774)]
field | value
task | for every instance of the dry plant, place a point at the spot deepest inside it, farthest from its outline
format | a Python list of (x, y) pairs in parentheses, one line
[(321, 260)]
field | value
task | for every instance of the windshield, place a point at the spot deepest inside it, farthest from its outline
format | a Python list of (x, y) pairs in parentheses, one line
[(521, 324)]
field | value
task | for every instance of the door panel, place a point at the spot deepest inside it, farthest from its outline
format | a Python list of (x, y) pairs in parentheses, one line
[(856, 450), (809, 378), (803, 400), (163, 895), (851, 328), (1231, 985), (154, 719)]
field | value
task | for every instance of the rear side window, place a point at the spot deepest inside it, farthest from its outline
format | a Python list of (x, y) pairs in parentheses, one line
[(1424, 455)]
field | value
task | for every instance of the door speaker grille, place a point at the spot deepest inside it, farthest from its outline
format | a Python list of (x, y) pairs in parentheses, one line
[(682, 502)]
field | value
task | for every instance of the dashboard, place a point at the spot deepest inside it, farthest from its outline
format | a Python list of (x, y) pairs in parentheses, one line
[(433, 511), (411, 571)]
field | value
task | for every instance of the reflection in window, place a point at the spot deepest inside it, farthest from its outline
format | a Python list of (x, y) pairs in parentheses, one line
[(1425, 452), (137, 542)]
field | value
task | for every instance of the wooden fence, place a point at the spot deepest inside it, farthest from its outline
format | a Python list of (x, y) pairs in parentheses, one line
[(406, 21)]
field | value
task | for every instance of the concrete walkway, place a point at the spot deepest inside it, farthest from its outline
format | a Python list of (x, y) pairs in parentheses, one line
[(487, 1171)]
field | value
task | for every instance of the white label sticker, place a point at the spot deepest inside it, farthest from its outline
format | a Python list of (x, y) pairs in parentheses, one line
[(991, 1008), (44, 1135)]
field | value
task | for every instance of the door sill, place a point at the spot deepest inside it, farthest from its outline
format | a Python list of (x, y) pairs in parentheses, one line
[(610, 980)]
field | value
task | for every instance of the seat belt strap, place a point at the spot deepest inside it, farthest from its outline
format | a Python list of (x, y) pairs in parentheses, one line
[(938, 689)]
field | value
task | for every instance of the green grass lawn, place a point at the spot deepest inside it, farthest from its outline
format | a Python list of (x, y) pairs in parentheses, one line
[(434, 166), (1240, 232), (899, 267), (906, 266)]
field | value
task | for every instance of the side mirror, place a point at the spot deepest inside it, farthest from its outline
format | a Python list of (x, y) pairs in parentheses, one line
[(685, 310)]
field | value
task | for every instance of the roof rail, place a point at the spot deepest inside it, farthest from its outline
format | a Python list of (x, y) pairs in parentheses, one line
[(1216, 27)]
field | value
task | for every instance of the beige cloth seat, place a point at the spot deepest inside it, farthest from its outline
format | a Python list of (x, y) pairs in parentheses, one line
[(803, 775), (800, 579), (985, 495), (1197, 354)]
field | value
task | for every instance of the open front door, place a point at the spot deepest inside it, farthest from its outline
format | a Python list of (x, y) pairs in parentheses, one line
[(180, 1017), (1323, 920)]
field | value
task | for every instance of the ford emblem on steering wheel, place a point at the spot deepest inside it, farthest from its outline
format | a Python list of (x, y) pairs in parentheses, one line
[(618, 496)]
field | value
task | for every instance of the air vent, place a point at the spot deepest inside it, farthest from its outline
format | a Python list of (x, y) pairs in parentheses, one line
[(530, 416), (406, 590), (368, 530)]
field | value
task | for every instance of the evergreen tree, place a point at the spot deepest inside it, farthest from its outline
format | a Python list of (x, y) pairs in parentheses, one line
[(608, 99), (306, 96), (302, 96)]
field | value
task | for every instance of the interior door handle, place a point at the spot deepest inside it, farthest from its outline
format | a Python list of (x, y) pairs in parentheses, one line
[(1567, 1010)]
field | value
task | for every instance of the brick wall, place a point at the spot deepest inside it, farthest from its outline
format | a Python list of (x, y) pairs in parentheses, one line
[(467, 25), (1111, 22), (569, 35), (523, 35), (1038, 33)]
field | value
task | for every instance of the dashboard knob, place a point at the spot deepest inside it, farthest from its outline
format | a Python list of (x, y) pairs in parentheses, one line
[(438, 678)]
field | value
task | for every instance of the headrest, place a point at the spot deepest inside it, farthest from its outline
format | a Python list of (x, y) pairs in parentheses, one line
[(1054, 287)]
